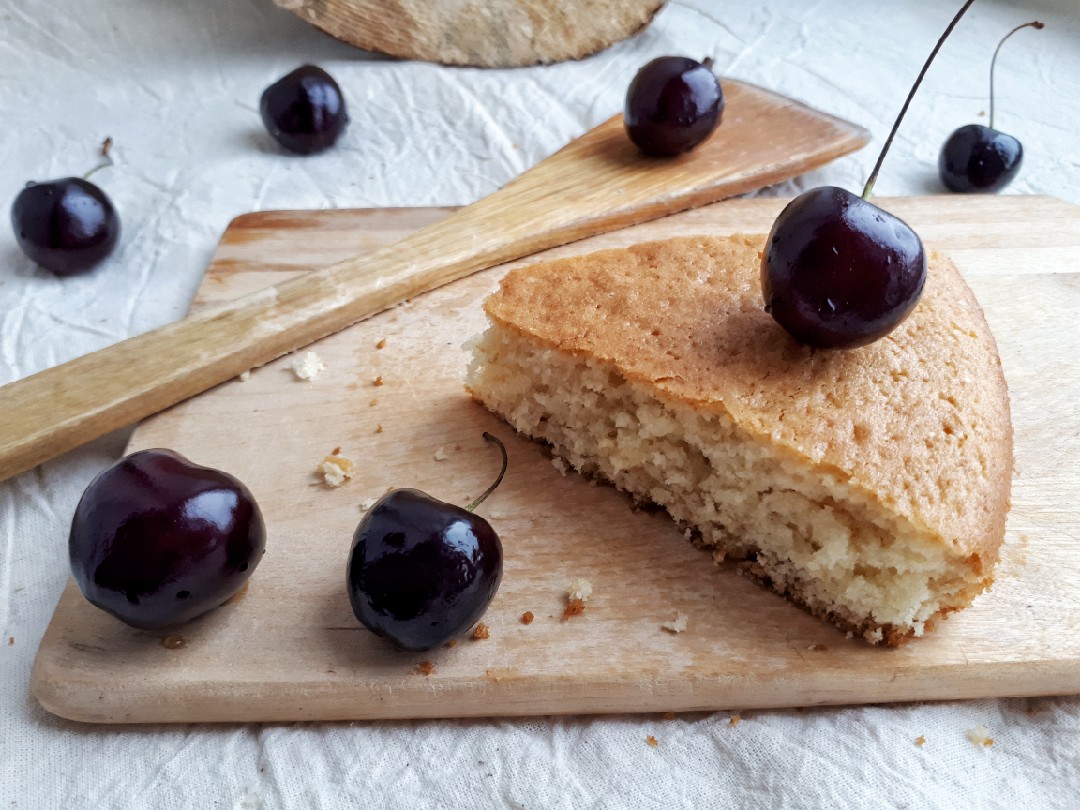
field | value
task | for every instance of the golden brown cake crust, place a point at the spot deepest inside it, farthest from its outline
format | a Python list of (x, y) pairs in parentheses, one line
[(917, 422)]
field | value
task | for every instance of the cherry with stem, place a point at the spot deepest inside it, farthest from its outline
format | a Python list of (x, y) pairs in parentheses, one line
[(422, 571), (67, 226), (838, 271), (977, 158)]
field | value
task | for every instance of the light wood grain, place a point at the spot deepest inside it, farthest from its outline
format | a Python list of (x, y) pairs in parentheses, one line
[(483, 33), (595, 184), (290, 649)]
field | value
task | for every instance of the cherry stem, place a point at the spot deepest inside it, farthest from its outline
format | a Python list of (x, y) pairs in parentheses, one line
[(1033, 24), (869, 187), (502, 472), (106, 154)]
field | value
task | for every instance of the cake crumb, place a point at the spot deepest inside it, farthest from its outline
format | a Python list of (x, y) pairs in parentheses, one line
[(651, 740), (579, 589), (734, 721), (980, 735), (336, 470), (574, 607), (451, 644), (676, 625), (377, 381), (560, 465), (425, 668), (480, 632), (920, 741), (440, 454), (307, 366), (817, 648), (367, 503), (244, 376), (336, 451), (373, 403), (381, 344), (527, 617), (577, 593), (378, 428), (874, 636)]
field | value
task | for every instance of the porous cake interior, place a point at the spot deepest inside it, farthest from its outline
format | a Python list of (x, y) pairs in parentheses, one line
[(804, 533)]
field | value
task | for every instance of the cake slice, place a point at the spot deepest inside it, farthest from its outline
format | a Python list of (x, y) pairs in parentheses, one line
[(870, 486)]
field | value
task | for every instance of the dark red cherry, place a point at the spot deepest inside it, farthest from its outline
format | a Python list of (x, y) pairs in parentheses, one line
[(304, 111), (838, 271), (672, 105), (157, 540), (977, 158), (422, 571), (67, 226)]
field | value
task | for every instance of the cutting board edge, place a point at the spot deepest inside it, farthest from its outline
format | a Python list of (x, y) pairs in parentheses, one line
[(79, 701)]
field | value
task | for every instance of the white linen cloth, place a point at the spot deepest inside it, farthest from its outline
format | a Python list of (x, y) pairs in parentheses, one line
[(176, 85)]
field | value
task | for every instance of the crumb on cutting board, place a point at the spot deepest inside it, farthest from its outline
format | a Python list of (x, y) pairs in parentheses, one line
[(307, 366), (336, 470), (480, 632), (560, 465), (377, 381), (676, 625), (527, 617), (244, 376), (980, 735), (580, 589), (425, 668), (381, 344), (574, 607), (440, 454), (577, 593)]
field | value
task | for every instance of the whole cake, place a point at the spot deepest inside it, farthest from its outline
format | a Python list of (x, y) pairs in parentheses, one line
[(869, 486)]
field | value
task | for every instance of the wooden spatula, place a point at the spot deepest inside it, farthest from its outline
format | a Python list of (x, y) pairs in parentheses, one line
[(595, 184)]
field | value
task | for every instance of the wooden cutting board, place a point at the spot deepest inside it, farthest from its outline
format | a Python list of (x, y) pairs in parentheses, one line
[(289, 648)]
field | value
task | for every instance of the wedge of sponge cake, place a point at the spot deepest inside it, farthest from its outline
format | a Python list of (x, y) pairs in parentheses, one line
[(869, 486)]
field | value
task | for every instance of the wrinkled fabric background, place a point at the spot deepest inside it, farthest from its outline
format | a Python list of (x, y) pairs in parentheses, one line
[(176, 85)]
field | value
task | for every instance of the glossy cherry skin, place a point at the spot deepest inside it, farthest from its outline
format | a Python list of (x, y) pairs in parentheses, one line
[(422, 571), (157, 540), (67, 226), (304, 111), (978, 158), (672, 105), (838, 271)]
